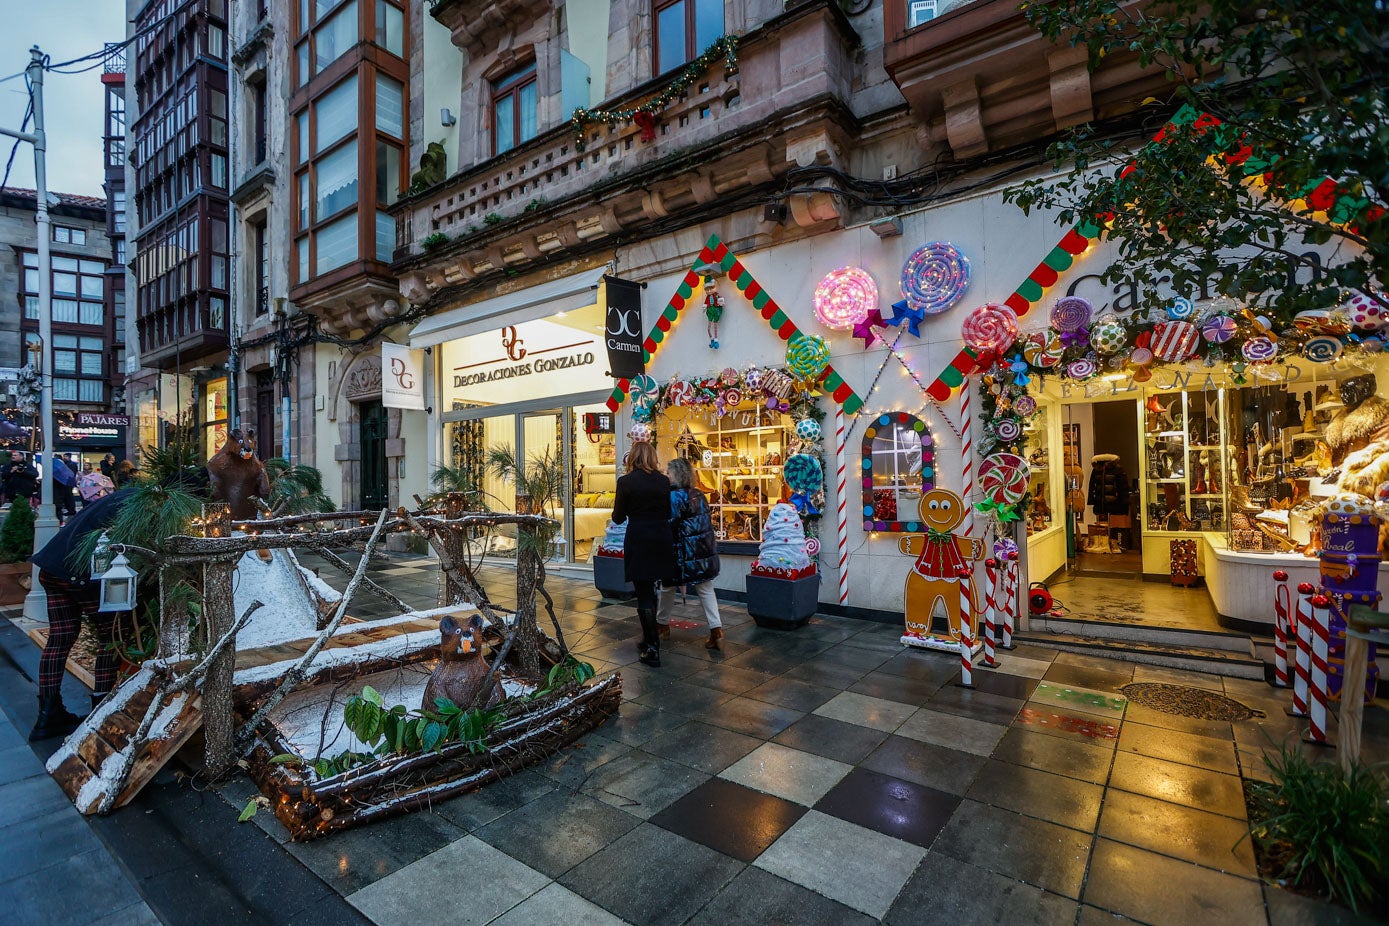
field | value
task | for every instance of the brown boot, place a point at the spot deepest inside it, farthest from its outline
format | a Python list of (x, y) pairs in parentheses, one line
[(715, 640), (663, 631)]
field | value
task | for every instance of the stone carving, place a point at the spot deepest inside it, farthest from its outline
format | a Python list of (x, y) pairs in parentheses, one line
[(364, 382)]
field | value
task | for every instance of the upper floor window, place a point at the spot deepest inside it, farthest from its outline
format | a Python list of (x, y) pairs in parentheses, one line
[(920, 11), (514, 103), (684, 28), (390, 27), (328, 29), (64, 234)]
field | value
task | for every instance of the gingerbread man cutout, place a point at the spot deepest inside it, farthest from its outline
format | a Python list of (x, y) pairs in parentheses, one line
[(940, 555)]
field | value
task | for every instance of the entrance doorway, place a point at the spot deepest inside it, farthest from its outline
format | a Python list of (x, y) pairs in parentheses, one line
[(566, 451), (375, 489), (266, 432), (1107, 526)]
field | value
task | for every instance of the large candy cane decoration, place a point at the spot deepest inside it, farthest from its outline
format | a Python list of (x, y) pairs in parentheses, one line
[(1321, 639), (1303, 663), (991, 569), (967, 460), (966, 637), (1280, 629), (841, 475), (1010, 598)]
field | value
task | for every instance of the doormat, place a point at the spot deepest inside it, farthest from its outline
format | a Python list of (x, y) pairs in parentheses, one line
[(1188, 702)]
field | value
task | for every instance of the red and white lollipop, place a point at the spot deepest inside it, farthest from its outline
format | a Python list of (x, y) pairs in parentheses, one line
[(1003, 478), (991, 327)]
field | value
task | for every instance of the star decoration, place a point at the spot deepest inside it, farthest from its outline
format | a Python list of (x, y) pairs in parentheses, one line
[(904, 313), (864, 329)]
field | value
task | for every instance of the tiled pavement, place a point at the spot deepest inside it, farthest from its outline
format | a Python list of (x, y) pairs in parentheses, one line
[(827, 776)]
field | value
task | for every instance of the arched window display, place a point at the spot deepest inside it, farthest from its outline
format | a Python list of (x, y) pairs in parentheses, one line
[(898, 465)]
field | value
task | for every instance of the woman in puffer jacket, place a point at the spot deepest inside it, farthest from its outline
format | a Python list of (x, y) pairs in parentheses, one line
[(696, 556)]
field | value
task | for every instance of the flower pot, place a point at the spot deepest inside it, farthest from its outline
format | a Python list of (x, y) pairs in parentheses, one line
[(15, 579), (610, 579), (782, 604)]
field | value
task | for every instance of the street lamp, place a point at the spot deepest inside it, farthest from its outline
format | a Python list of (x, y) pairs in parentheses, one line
[(36, 602)]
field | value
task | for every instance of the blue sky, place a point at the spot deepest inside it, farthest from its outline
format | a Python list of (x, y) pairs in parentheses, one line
[(74, 103)]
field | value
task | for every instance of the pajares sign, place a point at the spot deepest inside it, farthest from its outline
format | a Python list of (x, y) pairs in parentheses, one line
[(623, 332)]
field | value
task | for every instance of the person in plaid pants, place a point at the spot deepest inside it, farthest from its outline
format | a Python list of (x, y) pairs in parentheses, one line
[(73, 595)]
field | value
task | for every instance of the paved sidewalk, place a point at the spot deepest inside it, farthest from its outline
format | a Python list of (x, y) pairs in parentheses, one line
[(820, 776)]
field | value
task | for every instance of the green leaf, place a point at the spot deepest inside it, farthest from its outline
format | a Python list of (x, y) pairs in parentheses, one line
[(248, 811), (286, 758), (371, 695)]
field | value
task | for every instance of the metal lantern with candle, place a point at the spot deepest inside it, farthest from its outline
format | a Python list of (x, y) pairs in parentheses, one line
[(118, 586)]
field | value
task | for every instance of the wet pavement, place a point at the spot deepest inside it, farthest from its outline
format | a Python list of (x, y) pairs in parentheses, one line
[(818, 776)]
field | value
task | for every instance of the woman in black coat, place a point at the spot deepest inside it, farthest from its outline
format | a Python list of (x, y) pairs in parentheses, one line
[(643, 501), (696, 552)]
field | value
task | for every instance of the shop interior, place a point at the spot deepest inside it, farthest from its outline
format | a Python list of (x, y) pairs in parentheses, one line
[(1166, 486)]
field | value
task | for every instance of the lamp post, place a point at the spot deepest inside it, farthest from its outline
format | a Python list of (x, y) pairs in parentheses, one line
[(36, 603)]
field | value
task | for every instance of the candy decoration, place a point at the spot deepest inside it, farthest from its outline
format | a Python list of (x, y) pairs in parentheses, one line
[(1003, 478), (732, 398), (1070, 313), (1259, 349), (991, 327), (778, 384), (1318, 689), (752, 379), (1108, 336), (841, 473), (1007, 429), (1302, 658), (1141, 357), (1280, 629), (641, 433), (1081, 369), (729, 376), (808, 429), (1044, 349), (783, 540), (1321, 321), (967, 459), (935, 277), (802, 472), (680, 392), (807, 355), (1176, 341), (1322, 348), (812, 547), (1180, 308), (1218, 329), (966, 640), (1365, 314), (1025, 405), (844, 297), (865, 329), (644, 388)]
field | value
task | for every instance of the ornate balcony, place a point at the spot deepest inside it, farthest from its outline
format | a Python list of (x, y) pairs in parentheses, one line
[(475, 24), (727, 136), (979, 78)]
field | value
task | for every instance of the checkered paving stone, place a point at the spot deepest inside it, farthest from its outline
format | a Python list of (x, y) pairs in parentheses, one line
[(827, 776)]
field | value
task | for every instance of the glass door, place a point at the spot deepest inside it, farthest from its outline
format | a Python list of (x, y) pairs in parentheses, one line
[(544, 484), (375, 488)]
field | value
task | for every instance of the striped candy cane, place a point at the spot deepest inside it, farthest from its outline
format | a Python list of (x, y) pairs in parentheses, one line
[(991, 567), (1280, 629), (1302, 664), (967, 458), (966, 637), (1321, 639), (1010, 599), (843, 487)]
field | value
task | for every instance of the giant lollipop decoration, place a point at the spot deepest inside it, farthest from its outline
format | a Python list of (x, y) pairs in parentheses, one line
[(1003, 478), (807, 356), (991, 327), (844, 297), (935, 277)]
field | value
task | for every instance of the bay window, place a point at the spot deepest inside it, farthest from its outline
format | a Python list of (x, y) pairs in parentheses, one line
[(684, 29), (514, 101)]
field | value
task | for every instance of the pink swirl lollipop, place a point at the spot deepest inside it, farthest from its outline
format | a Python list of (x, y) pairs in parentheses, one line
[(990, 327), (732, 398), (1070, 313), (1141, 356), (1008, 429), (1259, 349), (729, 377), (1218, 329), (1025, 405), (1081, 369), (812, 546)]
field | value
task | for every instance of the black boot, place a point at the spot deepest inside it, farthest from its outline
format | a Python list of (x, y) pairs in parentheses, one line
[(53, 720), (649, 653)]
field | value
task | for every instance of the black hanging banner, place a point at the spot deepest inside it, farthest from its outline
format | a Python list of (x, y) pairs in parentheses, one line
[(624, 332)]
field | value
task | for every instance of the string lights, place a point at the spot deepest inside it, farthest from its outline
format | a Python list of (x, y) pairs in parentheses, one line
[(844, 298), (935, 277)]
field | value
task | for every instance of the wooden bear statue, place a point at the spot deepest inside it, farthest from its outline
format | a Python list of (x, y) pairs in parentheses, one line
[(236, 475), (461, 669)]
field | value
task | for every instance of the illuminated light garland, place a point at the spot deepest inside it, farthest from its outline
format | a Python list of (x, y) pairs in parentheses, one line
[(644, 116), (844, 298), (935, 277)]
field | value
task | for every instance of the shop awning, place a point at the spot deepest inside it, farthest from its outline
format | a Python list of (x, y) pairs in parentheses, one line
[(563, 295)]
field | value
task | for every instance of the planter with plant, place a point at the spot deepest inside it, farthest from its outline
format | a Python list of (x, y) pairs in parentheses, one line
[(1321, 831), (16, 546)]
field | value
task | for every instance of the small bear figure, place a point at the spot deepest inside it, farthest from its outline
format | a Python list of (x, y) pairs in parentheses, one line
[(461, 669), (236, 475)]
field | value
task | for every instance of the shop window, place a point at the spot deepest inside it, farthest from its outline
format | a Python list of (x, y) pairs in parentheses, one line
[(898, 466), (684, 28), (514, 102), (1039, 474), (214, 416)]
